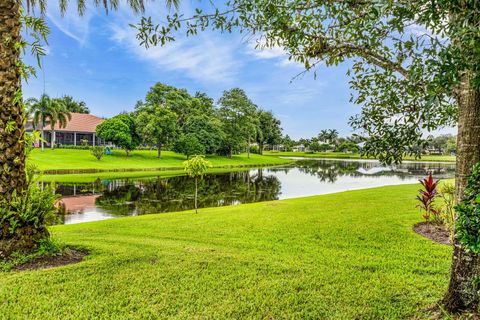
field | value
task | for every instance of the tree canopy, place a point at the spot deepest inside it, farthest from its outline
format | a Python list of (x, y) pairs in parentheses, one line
[(121, 131), (157, 124), (73, 105), (237, 114)]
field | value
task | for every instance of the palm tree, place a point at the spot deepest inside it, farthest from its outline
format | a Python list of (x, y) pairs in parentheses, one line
[(323, 136), (60, 116), (12, 114), (46, 111), (332, 137), (41, 111)]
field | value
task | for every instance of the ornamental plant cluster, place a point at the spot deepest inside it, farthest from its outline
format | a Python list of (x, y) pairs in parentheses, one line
[(426, 198), (468, 213)]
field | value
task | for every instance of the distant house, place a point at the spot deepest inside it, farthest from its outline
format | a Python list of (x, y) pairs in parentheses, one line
[(79, 130), (300, 148)]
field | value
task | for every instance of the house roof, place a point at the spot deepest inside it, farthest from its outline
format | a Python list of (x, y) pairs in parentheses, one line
[(79, 122)]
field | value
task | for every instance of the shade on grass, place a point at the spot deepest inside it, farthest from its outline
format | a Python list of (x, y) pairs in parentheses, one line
[(74, 159), (344, 155), (350, 255)]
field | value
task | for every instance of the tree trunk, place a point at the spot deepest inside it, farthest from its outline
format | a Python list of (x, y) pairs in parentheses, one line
[(248, 147), (42, 142), (463, 290), (230, 153), (260, 148), (159, 150), (12, 145), (196, 194), (52, 140)]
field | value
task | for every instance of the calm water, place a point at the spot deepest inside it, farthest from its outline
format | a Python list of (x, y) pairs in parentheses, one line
[(106, 199)]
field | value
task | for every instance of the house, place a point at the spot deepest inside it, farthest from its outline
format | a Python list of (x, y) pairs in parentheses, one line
[(300, 148), (80, 130)]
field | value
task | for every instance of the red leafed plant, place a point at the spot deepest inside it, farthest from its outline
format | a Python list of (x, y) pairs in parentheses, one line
[(426, 198)]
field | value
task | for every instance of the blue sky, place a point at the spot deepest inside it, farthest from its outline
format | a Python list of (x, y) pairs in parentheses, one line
[(97, 59)]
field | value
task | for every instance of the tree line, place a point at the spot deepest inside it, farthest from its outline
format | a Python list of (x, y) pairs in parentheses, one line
[(171, 118)]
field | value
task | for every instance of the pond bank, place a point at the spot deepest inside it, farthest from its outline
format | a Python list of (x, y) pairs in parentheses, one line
[(73, 161)]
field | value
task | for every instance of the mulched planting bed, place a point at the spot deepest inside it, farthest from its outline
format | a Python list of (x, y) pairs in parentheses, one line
[(70, 256), (433, 231)]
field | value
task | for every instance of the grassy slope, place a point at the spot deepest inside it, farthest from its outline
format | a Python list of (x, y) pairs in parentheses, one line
[(342, 155), (344, 256), (92, 177), (69, 159)]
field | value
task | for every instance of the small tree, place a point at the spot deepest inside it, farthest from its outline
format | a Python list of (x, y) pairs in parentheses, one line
[(348, 146), (98, 152), (324, 147), (189, 145), (157, 124), (120, 130), (196, 167), (314, 146)]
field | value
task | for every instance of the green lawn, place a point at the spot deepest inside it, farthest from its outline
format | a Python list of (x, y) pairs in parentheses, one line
[(343, 155), (92, 177), (350, 255), (74, 159)]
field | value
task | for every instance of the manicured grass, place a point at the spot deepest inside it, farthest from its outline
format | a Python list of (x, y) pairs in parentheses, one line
[(350, 255), (92, 177), (71, 159), (342, 155)]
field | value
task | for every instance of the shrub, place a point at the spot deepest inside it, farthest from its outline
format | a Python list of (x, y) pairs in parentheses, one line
[(468, 213), (324, 147), (24, 218), (69, 146), (426, 198), (98, 152), (84, 142), (447, 193), (314, 146), (254, 149), (189, 145)]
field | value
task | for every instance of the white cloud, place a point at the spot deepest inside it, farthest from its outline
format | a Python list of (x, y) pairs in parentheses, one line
[(204, 58), (71, 24), (258, 49)]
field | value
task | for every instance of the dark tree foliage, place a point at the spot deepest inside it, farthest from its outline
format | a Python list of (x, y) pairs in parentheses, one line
[(189, 145), (121, 131), (73, 105), (269, 129), (208, 131)]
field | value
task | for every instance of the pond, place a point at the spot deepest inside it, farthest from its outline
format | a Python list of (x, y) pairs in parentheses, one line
[(106, 199)]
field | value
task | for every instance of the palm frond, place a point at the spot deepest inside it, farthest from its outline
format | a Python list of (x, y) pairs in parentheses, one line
[(138, 6)]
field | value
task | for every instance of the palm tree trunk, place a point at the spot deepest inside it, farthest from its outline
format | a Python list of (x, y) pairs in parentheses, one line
[(12, 145), (463, 290), (52, 139), (43, 139)]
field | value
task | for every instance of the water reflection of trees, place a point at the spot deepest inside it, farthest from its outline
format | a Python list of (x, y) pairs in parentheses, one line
[(137, 197), (174, 194), (330, 170)]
